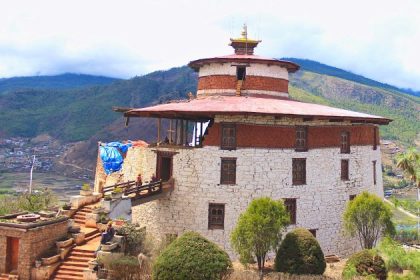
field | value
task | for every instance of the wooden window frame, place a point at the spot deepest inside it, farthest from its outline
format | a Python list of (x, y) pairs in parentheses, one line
[(291, 205), (374, 172), (211, 219), (345, 142), (298, 163), (345, 170), (229, 146), (375, 138), (228, 178), (159, 156), (301, 143)]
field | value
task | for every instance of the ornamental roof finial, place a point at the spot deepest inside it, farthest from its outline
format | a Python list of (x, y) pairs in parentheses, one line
[(243, 45)]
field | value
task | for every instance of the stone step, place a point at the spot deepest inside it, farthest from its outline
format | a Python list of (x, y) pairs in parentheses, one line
[(79, 215), (67, 277), (82, 255), (69, 273), (78, 259), (87, 239), (65, 267), (91, 233), (75, 264), (78, 250), (85, 210)]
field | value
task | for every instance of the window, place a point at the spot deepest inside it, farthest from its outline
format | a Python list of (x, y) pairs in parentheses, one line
[(313, 231), (352, 196), (301, 139), (374, 172), (240, 73), (228, 171), (375, 137), (216, 216), (164, 165), (290, 204), (344, 169), (299, 171), (228, 141), (345, 142)]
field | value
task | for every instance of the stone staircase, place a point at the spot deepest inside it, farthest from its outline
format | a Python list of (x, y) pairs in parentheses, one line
[(79, 256), (74, 265), (80, 216)]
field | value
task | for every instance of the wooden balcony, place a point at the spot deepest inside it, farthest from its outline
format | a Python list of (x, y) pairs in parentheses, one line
[(144, 193)]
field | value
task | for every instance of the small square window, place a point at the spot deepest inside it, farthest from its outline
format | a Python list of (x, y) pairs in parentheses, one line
[(216, 216), (228, 141), (352, 196), (345, 142), (228, 171), (290, 204), (299, 171), (301, 144), (345, 169)]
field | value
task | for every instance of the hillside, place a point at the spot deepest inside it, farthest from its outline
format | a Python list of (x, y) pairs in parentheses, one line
[(320, 68), (64, 81), (82, 114), (77, 114)]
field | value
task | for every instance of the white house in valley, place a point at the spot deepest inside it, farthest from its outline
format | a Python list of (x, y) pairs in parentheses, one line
[(241, 137)]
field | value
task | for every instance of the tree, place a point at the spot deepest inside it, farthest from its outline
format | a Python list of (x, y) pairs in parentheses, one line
[(410, 163), (300, 253), (259, 230), (367, 217), (191, 257)]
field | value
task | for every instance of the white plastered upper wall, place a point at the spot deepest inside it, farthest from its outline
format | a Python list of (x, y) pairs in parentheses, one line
[(254, 69)]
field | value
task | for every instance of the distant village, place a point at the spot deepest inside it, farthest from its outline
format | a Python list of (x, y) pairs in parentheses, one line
[(16, 155)]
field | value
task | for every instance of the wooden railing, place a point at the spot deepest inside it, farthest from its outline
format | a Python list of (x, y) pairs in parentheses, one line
[(123, 185), (145, 190), (130, 187)]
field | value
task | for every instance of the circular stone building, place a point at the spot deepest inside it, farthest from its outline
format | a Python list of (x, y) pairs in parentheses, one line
[(241, 137)]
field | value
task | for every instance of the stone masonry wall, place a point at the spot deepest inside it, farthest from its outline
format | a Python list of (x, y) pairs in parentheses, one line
[(262, 172), (32, 244)]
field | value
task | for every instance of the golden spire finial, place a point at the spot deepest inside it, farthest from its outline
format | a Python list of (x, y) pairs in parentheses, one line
[(244, 32)]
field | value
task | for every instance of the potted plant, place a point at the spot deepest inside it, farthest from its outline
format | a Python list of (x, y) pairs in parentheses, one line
[(66, 206), (51, 257), (107, 197), (120, 221), (64, 242), (117, 193), (85, 190)]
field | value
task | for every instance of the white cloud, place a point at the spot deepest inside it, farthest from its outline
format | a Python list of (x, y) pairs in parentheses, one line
[(378, 39)]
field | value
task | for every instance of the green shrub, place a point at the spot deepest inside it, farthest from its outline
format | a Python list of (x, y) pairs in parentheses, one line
[(300, 253), (365, 263), (126, 268), (398, 259), (135, 239), (85, 187), (191, 257)]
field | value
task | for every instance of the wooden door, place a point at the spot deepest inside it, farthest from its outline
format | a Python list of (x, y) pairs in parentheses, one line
[(12, 254)]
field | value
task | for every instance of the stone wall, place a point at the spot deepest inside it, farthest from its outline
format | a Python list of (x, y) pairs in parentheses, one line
[(32, 244), (262, 172)]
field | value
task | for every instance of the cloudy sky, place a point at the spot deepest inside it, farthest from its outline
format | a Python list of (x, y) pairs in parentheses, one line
[(378, 39)]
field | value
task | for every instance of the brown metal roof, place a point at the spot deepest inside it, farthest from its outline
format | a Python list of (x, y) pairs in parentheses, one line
[(235, 58), (208, 107)]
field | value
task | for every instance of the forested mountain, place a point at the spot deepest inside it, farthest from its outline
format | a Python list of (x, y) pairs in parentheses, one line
[(64, 81), (316, 67), (81, 114)]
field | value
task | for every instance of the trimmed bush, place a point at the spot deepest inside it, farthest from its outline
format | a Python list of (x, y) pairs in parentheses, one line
[(300, 253), (126, 268), (191, 257), (365, 263)]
